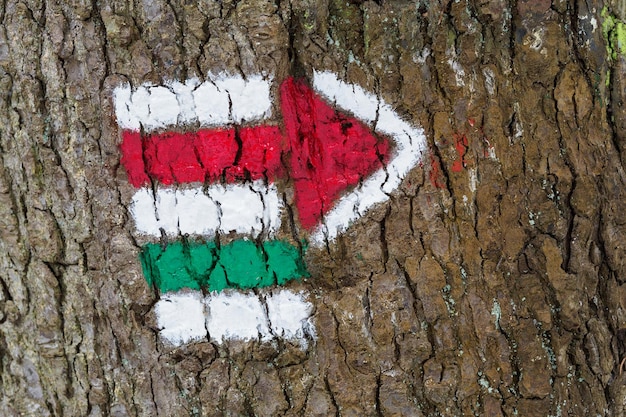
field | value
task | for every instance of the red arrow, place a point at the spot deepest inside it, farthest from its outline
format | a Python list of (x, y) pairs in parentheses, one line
[(327, 153), (329, 150)]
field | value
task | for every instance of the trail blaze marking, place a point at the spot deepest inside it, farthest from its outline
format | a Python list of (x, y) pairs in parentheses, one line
[(329, 152), (185, 317), (205, 155), (250, 209), (239, 264), (410, 145), (220, 179)]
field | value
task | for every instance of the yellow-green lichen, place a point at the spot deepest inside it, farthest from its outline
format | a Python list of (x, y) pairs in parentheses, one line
[(614, 32)]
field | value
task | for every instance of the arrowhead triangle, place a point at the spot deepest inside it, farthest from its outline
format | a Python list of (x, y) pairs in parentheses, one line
[(330, 151)]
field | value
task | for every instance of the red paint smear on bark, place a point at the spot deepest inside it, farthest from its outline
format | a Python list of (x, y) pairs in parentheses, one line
[(435, 173), (461, 148), (457, 166), (206, 155), (329, 150)]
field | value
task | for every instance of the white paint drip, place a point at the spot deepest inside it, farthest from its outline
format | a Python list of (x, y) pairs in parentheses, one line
[(410, 146), (473, 179), (243, 208), (459, 72), (490, 80), (230, 315), (218, 101)]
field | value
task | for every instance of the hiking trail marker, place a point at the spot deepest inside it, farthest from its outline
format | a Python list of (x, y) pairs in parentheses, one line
[(220, 178)]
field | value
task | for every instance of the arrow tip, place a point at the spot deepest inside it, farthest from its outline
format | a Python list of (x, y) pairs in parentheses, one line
[(330, 151)]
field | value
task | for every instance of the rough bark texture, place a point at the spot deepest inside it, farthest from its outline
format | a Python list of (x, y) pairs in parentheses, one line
[(493, 283)]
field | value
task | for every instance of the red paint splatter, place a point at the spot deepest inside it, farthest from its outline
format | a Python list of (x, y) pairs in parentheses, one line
[(329, 150), (206, 155), (461, 144), (435, 173)]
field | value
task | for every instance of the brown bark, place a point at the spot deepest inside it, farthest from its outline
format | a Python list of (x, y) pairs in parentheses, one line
[(499, 289)]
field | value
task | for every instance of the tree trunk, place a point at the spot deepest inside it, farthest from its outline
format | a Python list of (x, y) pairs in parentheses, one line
[(492, 282)]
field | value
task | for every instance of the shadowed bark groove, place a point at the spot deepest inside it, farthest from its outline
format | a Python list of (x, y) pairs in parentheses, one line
[(492, 282)]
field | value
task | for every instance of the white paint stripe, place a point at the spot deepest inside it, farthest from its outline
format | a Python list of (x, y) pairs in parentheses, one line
[(250, 98), (221, 100), (410, 146), (185, 316), (235, 315), (289, 315), (181, 317), (212, 105), (121, 100), (252, 208), (184, 96)]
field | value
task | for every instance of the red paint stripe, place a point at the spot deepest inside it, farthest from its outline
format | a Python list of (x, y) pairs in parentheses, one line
[(260, 154), (205, 155), (132, 159), (329, 150)]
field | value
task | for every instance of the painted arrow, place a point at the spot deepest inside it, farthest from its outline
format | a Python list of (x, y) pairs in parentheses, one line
[(344, 149), (330, 151)]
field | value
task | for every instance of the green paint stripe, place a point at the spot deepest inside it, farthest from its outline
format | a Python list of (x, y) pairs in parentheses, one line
[(240, 264)]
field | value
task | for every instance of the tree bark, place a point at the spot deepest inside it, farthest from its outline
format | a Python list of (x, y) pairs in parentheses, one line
[(492, 283)]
